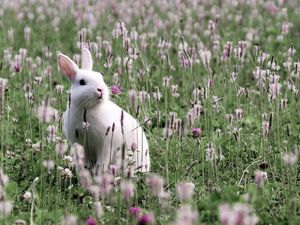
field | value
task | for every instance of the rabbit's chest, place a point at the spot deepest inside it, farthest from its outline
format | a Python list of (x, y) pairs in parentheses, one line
[(84, 130)]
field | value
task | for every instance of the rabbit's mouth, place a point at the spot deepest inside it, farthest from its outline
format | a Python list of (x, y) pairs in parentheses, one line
[(99, 93), (99, 96)]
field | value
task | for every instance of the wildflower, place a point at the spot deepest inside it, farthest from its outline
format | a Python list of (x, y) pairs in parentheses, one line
[(156, 184), (132, 97), (185, 191), (78, 155), (27, 33), (186, 215), (105, 183), (85, 178), (91, 221), (36, 147), (98, 209), (285, 27), (61, 147), (290, 158), (108, 63), (38, 80), (51, 133), (157, 95), (27, 196), (146, 219), (133, 54), (69, 160), (3, 84), (274, 90), (46, 113), (283, 103), (196, 132), (127, 189), (133, 34), (238, 214), (167, 132), (174, 91), (113, 169), (66, 173), (59, 89), (116, 89), (94, 191), (120, 30), (239, 50), (211, 153), (260, 177), (205, 56), (166, 81), (265, 128), (10, 34), (19, 222), (135, 212), (291, 51), (227, 50), (239, 114), (69, 220), (236, 132), (49, 164), (143, 96)]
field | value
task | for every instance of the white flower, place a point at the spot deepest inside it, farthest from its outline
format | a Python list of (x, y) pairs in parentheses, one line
[(67, 173), (49, 164), (27, 196), (290, 158)]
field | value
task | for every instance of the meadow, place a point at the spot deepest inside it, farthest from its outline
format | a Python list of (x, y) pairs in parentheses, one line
[(213, 83)]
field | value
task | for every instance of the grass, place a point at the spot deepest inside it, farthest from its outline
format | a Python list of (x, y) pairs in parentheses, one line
[(240, 144)]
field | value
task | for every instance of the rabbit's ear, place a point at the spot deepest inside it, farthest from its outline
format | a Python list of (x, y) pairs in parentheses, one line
[(67, 67), (86, 59)]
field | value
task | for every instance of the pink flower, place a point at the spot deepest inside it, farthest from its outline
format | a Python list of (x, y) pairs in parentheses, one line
[(185, 191), (135, 212), (237, 214), (156, 184), (146, 219), (260, 177), (17, 67), (127, 189), (91, 221), (116, 89), (196, 132)]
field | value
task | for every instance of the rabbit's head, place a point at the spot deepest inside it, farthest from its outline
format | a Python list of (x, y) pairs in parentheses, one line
[(88, 87)]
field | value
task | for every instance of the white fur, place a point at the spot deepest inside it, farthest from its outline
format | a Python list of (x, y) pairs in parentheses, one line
[(101, 149)]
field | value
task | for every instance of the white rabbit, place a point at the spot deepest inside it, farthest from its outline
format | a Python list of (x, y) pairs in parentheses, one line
[(94, 121)]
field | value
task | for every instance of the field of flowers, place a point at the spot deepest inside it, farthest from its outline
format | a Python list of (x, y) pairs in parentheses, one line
[(215, 85)]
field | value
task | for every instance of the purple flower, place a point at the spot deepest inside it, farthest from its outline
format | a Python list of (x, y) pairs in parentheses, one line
[(196, 132), (116, 89), (91, 221), (17, 67), (146, 219), (127, 189), (135, 212)]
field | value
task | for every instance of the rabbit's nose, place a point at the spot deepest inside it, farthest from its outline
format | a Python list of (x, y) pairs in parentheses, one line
[(99, 91)]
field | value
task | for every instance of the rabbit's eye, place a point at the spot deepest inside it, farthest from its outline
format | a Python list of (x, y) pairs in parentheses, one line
[(82, 82)]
